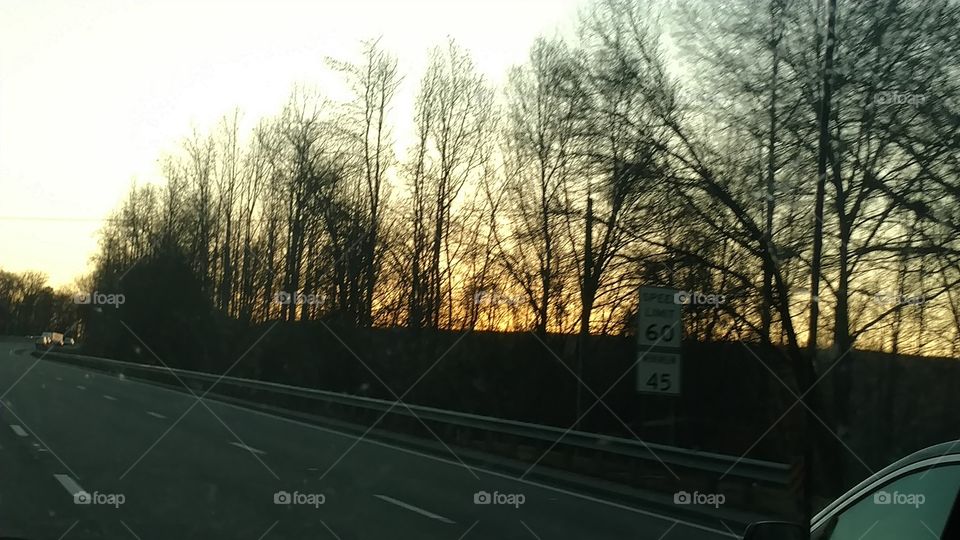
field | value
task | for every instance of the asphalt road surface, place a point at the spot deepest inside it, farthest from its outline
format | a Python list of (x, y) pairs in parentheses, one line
[(88, 455)]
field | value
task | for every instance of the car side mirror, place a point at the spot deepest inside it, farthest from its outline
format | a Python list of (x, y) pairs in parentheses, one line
[(775, 530)]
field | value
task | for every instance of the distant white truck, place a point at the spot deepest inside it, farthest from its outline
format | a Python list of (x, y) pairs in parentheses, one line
[(49, 339)]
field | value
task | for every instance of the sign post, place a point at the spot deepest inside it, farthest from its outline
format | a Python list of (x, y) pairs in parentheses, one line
[(658, 341)]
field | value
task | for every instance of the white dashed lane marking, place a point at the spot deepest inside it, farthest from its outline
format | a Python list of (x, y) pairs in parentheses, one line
[(68, 483), (155, 415), (413, 508), (245, 447), (18, 430)]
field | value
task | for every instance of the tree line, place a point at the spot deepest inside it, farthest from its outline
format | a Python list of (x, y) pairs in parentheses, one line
[(798, 158), (29, 306)]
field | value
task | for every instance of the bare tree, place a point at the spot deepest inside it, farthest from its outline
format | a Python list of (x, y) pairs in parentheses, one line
[(543, 119), (454, 117), (374, 82)]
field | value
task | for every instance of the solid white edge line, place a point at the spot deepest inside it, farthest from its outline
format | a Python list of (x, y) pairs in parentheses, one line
[(68, 483), (245, 447), (413, 508), (555, 489), (18, 430)]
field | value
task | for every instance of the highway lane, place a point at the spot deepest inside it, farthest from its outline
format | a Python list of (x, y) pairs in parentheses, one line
[(190, 469)]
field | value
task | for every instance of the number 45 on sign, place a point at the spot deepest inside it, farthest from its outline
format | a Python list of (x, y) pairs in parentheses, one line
[(658, 373)]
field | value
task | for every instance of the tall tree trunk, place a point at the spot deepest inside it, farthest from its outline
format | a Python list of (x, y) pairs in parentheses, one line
[(816, 443), (766, 312), (823, 149)]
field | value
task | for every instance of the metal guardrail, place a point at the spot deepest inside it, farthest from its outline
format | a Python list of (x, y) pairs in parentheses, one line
[(756, 471)]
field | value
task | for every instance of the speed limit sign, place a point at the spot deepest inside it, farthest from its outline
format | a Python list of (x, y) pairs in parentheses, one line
[(658, 341)]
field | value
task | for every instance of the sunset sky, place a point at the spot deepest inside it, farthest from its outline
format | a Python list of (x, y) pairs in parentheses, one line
[(92, 93)]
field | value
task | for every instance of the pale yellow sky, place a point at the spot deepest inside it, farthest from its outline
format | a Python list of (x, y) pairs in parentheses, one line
[(93, 92)]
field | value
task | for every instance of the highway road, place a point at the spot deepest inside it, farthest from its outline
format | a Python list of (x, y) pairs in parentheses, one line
[(159, 464)]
